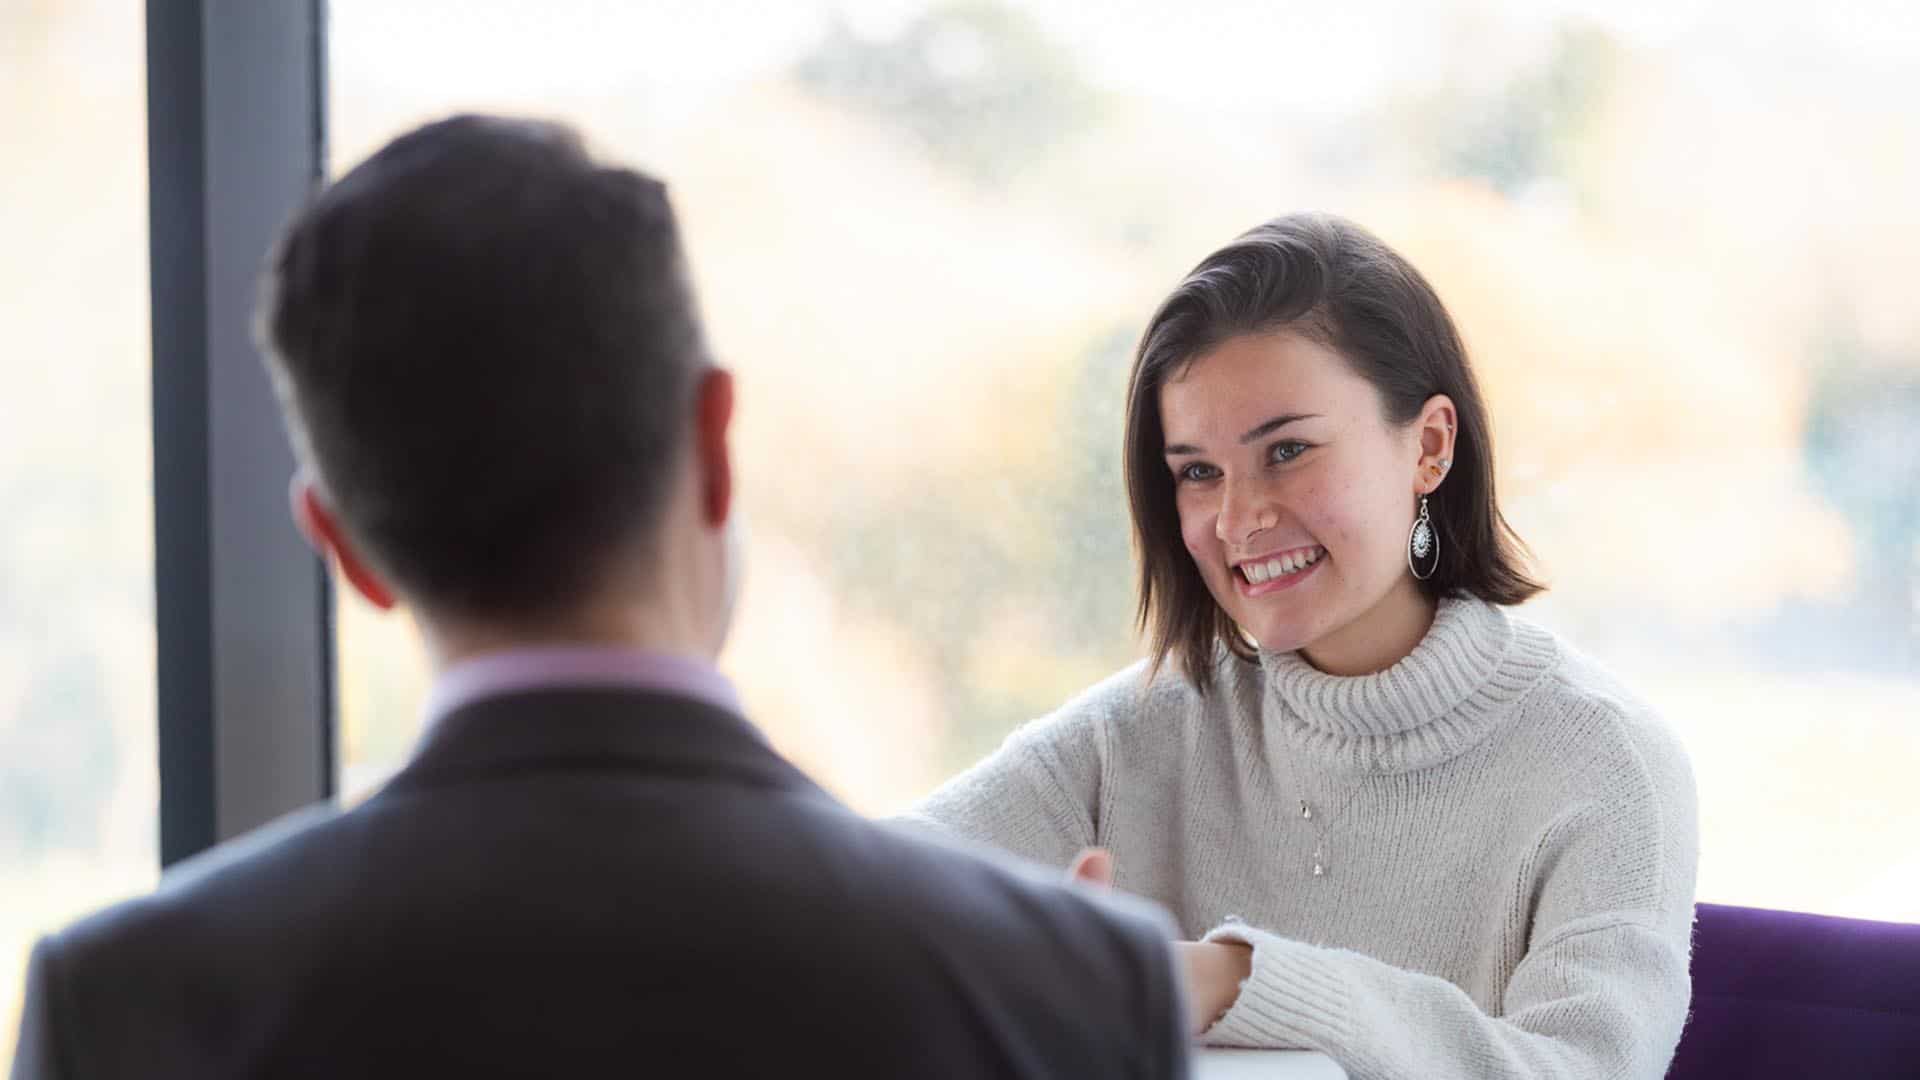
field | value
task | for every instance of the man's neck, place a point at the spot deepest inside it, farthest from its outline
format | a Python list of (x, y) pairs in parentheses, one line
[(449, 642)]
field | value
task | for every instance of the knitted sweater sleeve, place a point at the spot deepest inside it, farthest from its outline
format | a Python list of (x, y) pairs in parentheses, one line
[(1601, 991), (1038, 795)]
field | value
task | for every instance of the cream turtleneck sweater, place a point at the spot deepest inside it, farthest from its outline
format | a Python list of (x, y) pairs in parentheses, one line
[(1507, 841)]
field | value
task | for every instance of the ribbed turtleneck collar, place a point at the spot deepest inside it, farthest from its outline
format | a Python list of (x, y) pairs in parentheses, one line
[(1434, 704)]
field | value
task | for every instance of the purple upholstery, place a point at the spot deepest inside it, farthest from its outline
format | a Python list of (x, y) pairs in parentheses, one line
[(1778, 994)]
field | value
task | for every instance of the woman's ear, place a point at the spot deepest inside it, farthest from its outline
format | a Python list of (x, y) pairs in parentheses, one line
[(1437, 429), (321, 527)]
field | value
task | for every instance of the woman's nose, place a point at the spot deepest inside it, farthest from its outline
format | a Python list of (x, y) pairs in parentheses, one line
[(1243, 515)]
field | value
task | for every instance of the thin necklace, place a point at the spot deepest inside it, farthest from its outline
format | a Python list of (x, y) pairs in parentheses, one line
[(1320, 827)]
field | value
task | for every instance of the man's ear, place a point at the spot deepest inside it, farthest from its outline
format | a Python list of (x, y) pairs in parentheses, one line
[(322, 529), (712, 415)]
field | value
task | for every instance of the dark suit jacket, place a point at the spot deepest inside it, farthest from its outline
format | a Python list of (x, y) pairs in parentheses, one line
[(598, 882)]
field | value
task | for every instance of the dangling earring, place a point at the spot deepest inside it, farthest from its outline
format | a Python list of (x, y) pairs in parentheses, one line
[(1423, 543)]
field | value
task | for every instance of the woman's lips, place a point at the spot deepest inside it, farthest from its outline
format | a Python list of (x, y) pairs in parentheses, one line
[(1275, 584)]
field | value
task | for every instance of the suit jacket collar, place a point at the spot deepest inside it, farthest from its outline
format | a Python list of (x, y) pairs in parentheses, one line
[(597, 729)]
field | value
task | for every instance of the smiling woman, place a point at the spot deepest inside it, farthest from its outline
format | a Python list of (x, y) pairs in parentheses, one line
[(1310, 309), (1410, 830), (1310, 506)]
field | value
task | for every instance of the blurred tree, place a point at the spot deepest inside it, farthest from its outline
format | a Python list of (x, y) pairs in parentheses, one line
[(76, 569), (1525, 130), (57, 760), (1863, 443), (1048, 538), (64, 569), (1538, 118), (1092, 493), (978, 84)]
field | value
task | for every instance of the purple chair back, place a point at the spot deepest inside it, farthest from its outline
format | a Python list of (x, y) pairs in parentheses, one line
[(1779, 994)]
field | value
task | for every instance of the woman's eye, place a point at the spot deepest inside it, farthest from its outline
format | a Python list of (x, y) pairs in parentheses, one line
[(1197, 472), (1286, 451)]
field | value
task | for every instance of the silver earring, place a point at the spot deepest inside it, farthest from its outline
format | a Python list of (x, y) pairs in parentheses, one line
[(1423, 544)]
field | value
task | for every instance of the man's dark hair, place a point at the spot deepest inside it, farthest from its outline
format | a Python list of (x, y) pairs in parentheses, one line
[(485, 344), (1337, 284)]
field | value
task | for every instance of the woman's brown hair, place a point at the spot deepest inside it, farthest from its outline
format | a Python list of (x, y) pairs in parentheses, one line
[(1333, 282)]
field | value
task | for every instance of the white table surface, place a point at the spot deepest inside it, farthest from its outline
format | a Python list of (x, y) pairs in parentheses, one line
[(1265, 1065)]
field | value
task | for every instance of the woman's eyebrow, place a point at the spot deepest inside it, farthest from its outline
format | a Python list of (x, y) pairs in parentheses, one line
[(1276, 424), (1263, 430)]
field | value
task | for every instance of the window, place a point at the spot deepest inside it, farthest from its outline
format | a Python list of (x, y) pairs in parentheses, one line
[(1680, 242), (78, 782)]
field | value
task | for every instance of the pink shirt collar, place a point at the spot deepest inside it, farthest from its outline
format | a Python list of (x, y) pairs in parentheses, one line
[(551, 667)]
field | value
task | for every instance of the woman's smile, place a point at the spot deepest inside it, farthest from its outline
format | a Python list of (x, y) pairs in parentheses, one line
[(1270, 573)]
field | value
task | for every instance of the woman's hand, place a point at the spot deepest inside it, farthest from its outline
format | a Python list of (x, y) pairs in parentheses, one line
[(1213, 970)]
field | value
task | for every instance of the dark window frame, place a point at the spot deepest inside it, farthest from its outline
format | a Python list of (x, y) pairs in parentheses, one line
[(243, 612)]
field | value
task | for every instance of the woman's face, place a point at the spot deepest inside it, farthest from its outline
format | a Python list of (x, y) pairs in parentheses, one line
[(1295, 496)]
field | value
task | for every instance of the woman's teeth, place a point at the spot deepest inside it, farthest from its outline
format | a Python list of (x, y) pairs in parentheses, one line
[(1290, 563)]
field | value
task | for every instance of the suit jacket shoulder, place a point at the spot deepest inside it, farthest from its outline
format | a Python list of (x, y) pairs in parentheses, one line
[(562, 880)]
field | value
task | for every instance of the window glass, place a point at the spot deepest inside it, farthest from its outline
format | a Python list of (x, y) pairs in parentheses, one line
[(79, 788), (1680, 240)]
